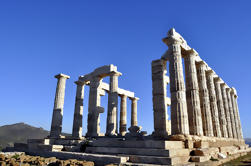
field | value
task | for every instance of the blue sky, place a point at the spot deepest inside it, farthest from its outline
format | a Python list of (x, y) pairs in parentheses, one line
[(41, 38)]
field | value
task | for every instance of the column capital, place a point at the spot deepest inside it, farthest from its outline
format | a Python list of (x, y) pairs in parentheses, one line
[(79, 82), (224, 85), (62, 75), (134, 98), (217, 79), (210, 72), (189, 53), (201, 63), (115, 73), (234, 92), (228, 89), (172, 38)]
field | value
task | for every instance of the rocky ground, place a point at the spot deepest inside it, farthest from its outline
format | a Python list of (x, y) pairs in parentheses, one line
[(244, 160), (20, 159)]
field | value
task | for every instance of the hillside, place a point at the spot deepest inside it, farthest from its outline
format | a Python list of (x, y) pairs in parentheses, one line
[(19, 132)]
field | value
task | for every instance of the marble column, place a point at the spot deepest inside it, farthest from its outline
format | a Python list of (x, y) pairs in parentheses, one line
[(111, 126), (94, 108), (226, 108), (237, 129), (238, 115), (192, 94), (222, 117), (159, 98), (123, 111), (134, 120), (179, 116), (231, 111), (57, 117), (78, 111), (213, 103), (204, 99)]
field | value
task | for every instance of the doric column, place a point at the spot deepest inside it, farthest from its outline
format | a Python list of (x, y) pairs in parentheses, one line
[(231, 111), (78, 111), (204, 99), (134, 120), (240, 135), (57, 117), (94, 108), (213, 103), (159, 98), (179, 117), (123, 109), (226, 108), (111, 126), (192, 94), (237, 129), (222, 117)]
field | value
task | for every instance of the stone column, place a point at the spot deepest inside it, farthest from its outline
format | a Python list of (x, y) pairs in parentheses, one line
[(78, 111), (237, 129), (111, 126), (192, 94), (222, 117), (240, 136), (213, 103), (226, 107), (123, 109), (94, 108), (159, 98), (231, 111), (134, 121), (57, 117), (179, 117), (204, 100)]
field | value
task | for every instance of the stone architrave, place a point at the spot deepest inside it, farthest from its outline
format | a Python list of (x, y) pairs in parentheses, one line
[(231, 111), (78, 111), (57, 117), (232, 94), (213, 103), (192, 94), (112, 113), (123, 110), (204, 99), (238, 114), (222, 117), (179, 116), (159, 98), (134, 120), (226, 108), (94, 108)]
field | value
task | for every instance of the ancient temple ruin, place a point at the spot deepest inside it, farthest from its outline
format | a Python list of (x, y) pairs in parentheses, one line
[(205, 120)]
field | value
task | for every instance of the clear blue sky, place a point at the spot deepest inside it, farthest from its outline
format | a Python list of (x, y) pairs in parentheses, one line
[(41, 38)]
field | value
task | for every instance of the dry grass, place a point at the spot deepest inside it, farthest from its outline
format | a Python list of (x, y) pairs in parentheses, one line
[(244, 160)]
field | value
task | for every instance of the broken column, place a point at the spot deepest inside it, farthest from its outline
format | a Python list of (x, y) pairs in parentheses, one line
[(192, 94), (159, 98), (226, 108), (123, 109), (78, 111), (57, 117), (213, 103), (134, 121), (231, 111), (111, 127), (204, 99), (179, 117), (222, 117)]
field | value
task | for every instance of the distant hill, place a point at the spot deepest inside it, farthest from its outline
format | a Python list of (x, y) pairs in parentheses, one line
[(19, 132), (248, 141)]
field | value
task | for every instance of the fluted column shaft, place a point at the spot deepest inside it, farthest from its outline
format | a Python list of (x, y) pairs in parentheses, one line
[(57, 117), (222, 117), (159, 98), (213, 103), (237, 129), (226, 107), (134, 120), (179, 116), (192, 95), (78, 111), (238, 117), (231, 111), (204, 99), (111, 126), (123, 110)]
